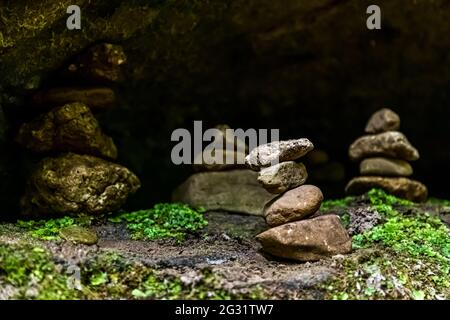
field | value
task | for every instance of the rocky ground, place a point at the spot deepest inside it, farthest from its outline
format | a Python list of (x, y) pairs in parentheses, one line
[(224, 261)]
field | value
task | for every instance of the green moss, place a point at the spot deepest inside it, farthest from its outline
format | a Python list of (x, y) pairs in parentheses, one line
[(385, 203), (439, 202), (164, 220), (336, 203), (388, 275), (49, 229), (32, 274)]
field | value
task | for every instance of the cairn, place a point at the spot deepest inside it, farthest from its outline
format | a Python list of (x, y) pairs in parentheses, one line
[(384, 155), (297, 232), (78, 176)]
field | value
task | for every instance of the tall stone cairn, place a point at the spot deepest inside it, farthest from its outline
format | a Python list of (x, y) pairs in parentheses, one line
[(384, 154)]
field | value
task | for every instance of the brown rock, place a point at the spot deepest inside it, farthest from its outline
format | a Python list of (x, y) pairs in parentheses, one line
[(283, 176), (278, 151), (400, 187), (383, 120), (72, 184), (70, 128), (392, 144), (385, 167), (99, 98), (307, 240), (232, 190), (293, 205)]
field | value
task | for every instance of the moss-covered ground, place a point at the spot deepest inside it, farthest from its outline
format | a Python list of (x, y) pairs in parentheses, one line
[(171, 252)]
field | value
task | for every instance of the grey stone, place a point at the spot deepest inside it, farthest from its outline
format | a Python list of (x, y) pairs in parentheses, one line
[(278, 151), (283, 176), (391, 144), (233, 190), (385, 167), (383, 120)]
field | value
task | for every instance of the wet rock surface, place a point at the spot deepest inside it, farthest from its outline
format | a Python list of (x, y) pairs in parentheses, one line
[(70, 128), (73, 183)]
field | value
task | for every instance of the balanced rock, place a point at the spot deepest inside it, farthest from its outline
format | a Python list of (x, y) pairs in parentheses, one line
[(70, 128), (307, 240), (283, 176), (99, 64), (293, 205), (276, 152), (72, 184), (398, 186), (391, 144), (97, 98), (233, 190), (385, 167), (382, 121)]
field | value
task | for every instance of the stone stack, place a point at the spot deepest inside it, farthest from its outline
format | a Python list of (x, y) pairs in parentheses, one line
[(79, 176), (218, 186), (384, 155), (295, 233)]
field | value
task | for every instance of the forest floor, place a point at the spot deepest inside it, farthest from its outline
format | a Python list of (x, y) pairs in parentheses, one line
[(403, 254)]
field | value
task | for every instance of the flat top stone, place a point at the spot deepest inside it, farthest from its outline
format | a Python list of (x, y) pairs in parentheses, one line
[(383, 120), (392, 144), (278, 151)]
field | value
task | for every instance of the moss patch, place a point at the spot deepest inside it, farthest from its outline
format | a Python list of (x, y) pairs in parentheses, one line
[(164, 220)]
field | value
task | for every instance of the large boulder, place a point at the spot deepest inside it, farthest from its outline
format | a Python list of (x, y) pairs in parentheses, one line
[(307, 240), (70, 128), (72, 184), (391, 144), (293, 205), (398, 186), (234, 190)]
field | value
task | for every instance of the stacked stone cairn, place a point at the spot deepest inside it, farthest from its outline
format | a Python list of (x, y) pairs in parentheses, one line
[(221, 186), (297, 231), (78, 175), (384, 155)]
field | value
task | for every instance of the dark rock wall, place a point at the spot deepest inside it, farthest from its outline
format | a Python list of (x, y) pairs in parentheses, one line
[(310, 68)]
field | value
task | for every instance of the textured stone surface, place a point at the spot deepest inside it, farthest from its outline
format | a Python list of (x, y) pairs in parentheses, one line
[(96, 98), (293, 205), (383, 120), (70, 128), (77, 234), (307, 240), (401, 187), (385, 167), (234, 190), (283, 176), (72, 184), (278, 151), (392, 144)]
